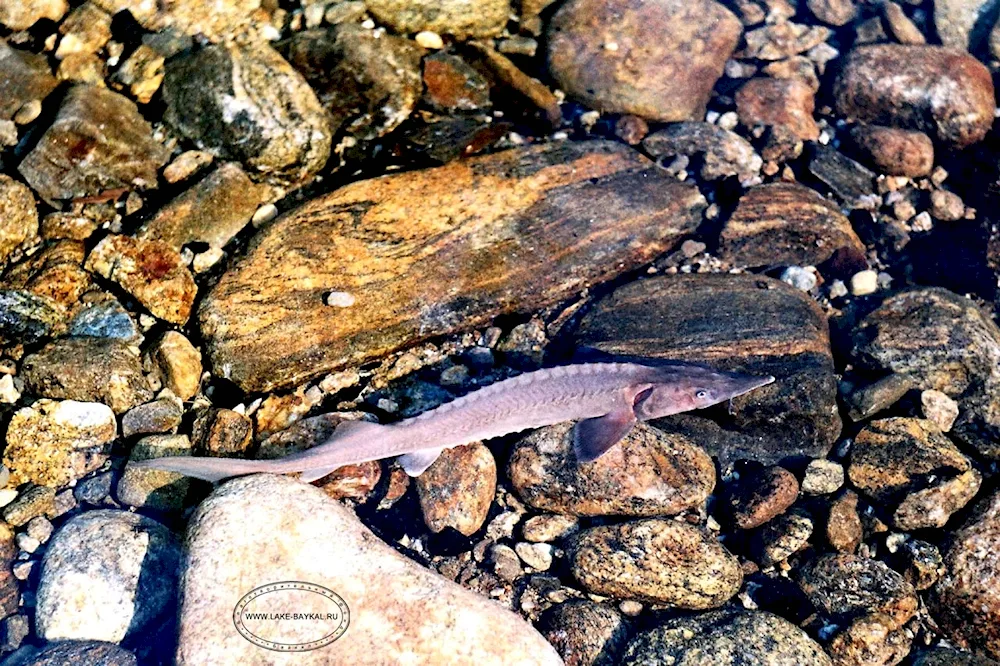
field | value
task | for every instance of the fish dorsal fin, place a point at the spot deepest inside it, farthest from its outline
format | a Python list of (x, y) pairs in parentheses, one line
[(593, 437), (416, 463)]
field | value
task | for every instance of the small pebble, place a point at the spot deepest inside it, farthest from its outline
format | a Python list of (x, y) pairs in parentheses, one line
[(264, 214), (799, 277), (340, 299), (15, 629), (823, 477), (28, 112), (506, 563), (538, 556), (922, 222), (947, 206), (838, 289), (864, 283), (22, 570), (630, 607), (429, 40), (39, 528), (549, 527), (27, 543), (8, 392), (939, 408)]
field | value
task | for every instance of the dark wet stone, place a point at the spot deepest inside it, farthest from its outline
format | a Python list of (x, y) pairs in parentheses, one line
[(946, 343), (787, 224), (869, 400), (966, 601), (852, 183), (736, 322), (246, 102), (107, 319), (942, 656), (98, 142), (368, 84), (725, 638), (62, 653), (585, 633), (649, 473), (723, 153), (26, 318), (781, 538), (924, 563), (24, 78), (87, 369), (155, 417)]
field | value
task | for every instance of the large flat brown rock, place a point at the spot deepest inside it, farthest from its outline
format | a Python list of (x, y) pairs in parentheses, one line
[(740, 322), (429, 252)]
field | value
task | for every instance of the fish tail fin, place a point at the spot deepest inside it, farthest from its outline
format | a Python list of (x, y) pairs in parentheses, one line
[(208, 469)]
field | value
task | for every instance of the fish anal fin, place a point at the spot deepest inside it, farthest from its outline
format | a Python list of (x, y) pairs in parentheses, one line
[(593, 437), (416, 463)]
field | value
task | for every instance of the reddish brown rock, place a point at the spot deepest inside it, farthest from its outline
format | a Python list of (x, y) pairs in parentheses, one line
[(457, 490), (758, 497), (649, 473), (894, 151), (55, 273), (946, 93), (98, 142), (470, 256), (786, 102), (966, 601), (453, 85), (352, 481), (658, 60), (787, 224), (151, 271), (221, 432), (843, 525)]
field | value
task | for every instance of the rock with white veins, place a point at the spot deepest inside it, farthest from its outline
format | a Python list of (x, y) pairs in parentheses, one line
[(400, 612)]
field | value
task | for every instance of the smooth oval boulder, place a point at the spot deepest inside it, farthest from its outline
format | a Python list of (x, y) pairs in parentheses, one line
[(657, 59), (429, 252), (648, 473), (966, 601), (400, 612), (726, 638), (745, 322), (660, 561), (943, 92)]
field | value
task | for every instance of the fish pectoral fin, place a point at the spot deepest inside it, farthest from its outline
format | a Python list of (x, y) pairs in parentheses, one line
[(593, 437), (416, 463)]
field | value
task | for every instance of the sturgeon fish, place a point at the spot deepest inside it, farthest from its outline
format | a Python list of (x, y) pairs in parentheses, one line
[(606, 398)]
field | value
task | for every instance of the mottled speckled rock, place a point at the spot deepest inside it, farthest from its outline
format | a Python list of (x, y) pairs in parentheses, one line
[(966, 601), (942, 656), (179, 364), (739, 322), (454, 85), (723, 153), (847, 586), (787, 224), (726, 638), (300, 534), (159, 416), (221, 432), (107, 575), (457, 490), (872, 639), (661, 561), (18, 215), (10, 592), (955, 21), (461, 18), (98, 141), (667, 54), (945, 342), (150, 270), (843, 524), (246, 102), (211, 211), (943, 92), (497, 218), (215, 19), (894, 151), (585, 633), (368, 82), (90, 370), (62, 653), (25, 317), (54, 442), (781, 538), (55, 273), (648, 473)]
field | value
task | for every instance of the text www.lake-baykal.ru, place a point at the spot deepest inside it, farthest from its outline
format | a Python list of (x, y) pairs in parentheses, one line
[(291, 616)]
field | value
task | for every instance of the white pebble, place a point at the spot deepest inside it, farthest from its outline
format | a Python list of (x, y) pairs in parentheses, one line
[(864, 283), (8, 392), (429, 40), (264, 214), (838, 289), (340, 299), (799, 277)]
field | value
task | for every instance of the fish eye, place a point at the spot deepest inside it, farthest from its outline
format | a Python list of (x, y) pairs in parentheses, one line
[(701, 394)]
